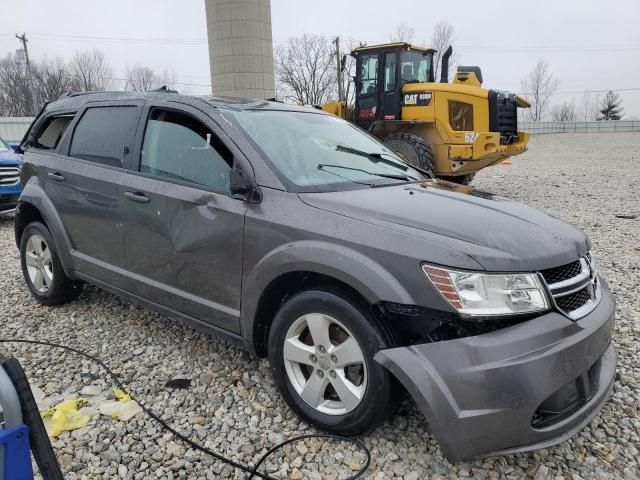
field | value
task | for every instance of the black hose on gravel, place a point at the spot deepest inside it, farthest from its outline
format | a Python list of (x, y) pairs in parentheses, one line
[(251, 470)]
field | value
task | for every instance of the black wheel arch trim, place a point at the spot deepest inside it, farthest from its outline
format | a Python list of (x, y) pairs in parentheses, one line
[(363, 274), (34, 194)]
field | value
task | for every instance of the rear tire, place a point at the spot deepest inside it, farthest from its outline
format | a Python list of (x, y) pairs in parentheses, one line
[(414, 150), (42, 269), (461, 179), (321, 348)]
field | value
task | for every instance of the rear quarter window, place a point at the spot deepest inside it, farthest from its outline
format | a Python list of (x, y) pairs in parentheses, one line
[(104, 134), (49, 135)]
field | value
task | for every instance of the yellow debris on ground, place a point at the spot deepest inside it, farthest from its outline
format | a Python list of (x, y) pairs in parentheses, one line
[(122, 408), (65, 416), (75, 413), (121, 395)]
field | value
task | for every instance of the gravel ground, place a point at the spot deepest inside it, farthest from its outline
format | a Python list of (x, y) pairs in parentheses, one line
[(232, 405)]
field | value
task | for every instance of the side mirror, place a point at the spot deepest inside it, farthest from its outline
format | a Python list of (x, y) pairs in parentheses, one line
[(16, 148), (242, 188)]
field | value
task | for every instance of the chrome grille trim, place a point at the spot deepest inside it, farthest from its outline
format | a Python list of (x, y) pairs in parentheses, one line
[(9, 175), (584, 274), (587, 278)]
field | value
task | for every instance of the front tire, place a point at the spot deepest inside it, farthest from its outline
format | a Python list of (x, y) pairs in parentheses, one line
[(321, 348), (42, 269), (414, 150)]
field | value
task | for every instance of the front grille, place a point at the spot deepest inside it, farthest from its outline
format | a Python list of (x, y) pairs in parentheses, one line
[(574, 301), (9, 175), (503, 115), (574, 287), (559, 274)]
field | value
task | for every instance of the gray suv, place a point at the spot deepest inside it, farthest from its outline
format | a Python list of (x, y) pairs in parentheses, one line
[(302, 238)]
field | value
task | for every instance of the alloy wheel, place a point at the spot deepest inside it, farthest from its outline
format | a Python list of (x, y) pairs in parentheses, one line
[(325, 364), (39, 263)]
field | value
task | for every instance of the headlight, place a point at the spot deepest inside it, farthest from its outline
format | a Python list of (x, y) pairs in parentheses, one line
[(482, 294)]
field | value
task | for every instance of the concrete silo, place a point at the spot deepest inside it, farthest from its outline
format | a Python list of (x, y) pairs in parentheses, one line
[(240, 47)]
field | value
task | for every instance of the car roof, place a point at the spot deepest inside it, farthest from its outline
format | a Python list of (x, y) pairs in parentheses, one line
[(75, 100)]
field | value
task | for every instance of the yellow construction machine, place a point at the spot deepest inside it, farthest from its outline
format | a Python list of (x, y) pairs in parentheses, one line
[(452, 130)]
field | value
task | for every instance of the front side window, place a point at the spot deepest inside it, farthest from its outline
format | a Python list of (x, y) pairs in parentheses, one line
[(368, 74), (415, 66), (104, 134), (179, 147), (315, 152)]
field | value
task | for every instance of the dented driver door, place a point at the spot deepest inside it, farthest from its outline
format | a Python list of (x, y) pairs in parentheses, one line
[(184, 234)]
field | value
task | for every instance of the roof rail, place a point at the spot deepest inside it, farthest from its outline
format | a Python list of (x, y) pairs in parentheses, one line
[(89, 92)]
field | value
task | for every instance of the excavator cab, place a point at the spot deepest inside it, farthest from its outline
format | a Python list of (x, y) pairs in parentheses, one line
[(381, 72)]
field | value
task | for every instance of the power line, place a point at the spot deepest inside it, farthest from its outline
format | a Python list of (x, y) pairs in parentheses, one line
[(596, 91), (543, 49), (163, 40), (488, 48), (126, 80)]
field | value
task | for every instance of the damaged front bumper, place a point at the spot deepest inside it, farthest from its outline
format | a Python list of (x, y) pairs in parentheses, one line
[(524, 387)]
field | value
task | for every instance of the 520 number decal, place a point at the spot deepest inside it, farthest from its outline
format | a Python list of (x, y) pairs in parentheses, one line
[(471, 137)]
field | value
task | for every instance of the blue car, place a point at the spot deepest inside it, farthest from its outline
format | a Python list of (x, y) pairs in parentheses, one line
[(10, 186)]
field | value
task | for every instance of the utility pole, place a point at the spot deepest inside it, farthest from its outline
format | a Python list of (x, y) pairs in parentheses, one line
[(338, 65), (23, 39)]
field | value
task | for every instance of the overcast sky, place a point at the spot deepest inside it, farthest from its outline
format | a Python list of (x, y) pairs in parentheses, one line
[(590, 45)]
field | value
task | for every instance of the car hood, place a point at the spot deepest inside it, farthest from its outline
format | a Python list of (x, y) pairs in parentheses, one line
[(9, 159), (500, 234)]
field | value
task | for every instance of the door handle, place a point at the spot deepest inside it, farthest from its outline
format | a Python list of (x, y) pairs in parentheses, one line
[(56, 176), (137, 197)]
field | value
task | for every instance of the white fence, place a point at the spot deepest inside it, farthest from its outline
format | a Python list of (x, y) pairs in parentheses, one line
[(12, 129), (580, 127)]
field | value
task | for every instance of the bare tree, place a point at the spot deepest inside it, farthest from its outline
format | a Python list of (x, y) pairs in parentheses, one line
[(589, 106), (538, 86), (15, 92), (140, 79), (168, 78), (20, 96), (443, 36), (306, 69), (403, 33), (90, 71), (564, 112), (51, 79)]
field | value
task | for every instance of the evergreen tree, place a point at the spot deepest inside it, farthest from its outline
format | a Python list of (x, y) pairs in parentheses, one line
[(610, 107)]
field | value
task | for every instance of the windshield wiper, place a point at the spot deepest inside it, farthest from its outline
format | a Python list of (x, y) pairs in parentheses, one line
[(373, 156), (395, 176)]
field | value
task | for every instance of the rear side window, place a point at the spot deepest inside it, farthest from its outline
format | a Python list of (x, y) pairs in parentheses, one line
[(179, 147), (51, 132), (389, 72), (460, 115), (104, 134)]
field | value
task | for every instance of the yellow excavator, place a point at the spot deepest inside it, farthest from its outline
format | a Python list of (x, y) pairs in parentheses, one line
[(452, 130)]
